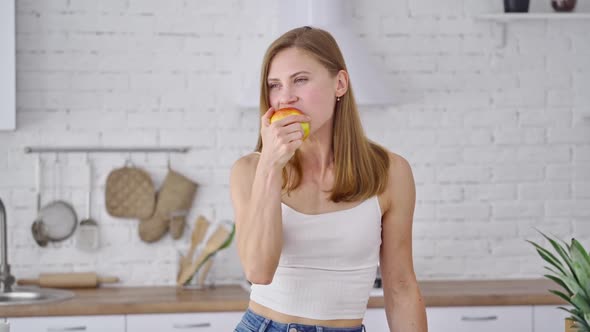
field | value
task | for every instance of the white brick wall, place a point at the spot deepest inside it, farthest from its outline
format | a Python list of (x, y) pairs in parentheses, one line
[(499, 138)]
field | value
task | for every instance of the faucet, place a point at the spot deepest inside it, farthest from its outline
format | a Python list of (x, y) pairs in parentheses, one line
[(6, 279)]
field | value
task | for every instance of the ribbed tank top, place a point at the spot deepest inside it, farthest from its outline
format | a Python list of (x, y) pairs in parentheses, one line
[(328, 263)]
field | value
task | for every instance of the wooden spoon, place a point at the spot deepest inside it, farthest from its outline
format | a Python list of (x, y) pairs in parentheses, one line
[(217, 240), (204, 272), (209, 260), (201, 226)]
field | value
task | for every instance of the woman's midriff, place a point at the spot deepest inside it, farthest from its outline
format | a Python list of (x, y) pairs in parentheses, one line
[(286, 319)]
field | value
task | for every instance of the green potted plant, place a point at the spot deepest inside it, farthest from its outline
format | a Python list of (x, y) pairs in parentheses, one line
[(570, 269)]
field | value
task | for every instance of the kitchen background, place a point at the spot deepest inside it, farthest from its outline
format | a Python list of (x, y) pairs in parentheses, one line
[(498, 136)]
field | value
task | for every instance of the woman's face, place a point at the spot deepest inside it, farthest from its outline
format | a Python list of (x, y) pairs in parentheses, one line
[(296, 79)]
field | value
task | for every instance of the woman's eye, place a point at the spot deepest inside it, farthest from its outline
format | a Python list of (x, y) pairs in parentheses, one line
[(273, 85), (301, 80)]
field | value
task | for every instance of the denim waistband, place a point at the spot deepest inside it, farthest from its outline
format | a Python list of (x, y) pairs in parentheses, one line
[(262, 324)]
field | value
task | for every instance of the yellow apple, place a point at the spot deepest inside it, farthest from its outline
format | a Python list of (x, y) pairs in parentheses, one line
[(285, 112)]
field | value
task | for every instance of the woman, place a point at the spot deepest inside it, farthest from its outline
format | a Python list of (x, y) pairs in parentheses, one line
[(314, 216)]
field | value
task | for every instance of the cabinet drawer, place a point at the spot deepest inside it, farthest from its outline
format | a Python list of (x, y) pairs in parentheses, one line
[(549, 319), (68, 324), (481, 319), (375, 320), (201, 322)]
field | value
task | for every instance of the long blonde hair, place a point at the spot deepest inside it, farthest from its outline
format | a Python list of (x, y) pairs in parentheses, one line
[(360, 165)]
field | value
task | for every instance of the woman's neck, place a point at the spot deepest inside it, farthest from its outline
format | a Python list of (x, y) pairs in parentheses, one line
[(317, 153)]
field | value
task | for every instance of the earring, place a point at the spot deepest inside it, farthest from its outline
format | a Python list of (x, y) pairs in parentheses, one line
[(337, 98)]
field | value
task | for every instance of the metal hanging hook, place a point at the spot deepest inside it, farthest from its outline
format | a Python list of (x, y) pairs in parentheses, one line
[(88, 165), (128, 162)]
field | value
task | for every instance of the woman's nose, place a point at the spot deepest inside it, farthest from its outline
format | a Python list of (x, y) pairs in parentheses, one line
[(287, 98)]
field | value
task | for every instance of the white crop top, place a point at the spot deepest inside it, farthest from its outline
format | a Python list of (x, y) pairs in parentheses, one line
[(328, 263)]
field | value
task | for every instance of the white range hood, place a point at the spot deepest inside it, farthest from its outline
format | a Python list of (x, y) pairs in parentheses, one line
[(368, 81)]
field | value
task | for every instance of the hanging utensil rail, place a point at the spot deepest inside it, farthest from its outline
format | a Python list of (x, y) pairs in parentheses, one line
[(90, 149)]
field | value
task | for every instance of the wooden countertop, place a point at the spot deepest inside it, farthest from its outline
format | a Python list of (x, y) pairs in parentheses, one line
[(144, 300), (484, 292)]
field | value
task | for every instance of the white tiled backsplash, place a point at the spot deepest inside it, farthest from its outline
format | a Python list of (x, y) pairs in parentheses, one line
[(499, 138)]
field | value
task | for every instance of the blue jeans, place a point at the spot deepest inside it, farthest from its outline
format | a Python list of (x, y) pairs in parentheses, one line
[(252, 322)]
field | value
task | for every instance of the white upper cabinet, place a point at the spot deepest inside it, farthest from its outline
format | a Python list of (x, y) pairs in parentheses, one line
[(7, 66)]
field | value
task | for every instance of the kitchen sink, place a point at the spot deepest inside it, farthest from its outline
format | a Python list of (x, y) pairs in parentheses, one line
[(10, 295), (33, 295)]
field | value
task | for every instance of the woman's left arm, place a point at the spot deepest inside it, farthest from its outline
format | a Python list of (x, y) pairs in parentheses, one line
[(403, 301)]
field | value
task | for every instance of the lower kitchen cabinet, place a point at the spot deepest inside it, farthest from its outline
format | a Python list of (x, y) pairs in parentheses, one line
[(464, 319), (202, 322), (545, 318), (549, 318), (68, 323), (481, 319), (375, 320)]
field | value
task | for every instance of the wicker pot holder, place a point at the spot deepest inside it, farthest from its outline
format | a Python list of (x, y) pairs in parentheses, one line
[(130, 193), (175, 199)]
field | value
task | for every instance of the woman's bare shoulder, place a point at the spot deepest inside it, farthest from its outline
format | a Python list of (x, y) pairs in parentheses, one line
[(246, 164), (398, 165), (400, 180)]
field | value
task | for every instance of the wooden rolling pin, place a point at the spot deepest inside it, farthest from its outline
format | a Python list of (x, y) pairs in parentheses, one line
[(68, 280)]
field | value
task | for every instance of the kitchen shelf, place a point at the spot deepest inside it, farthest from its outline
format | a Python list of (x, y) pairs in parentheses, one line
[(506, 17), (95, 149), (501, 19)]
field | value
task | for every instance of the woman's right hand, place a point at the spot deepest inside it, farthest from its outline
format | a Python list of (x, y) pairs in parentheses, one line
[(281, 138)]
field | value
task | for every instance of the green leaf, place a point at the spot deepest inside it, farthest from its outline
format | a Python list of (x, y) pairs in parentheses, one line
[(571, 271), (578, 246), (566, 245), (561, 251), (571, 284), (574, 287), (581, 264), (549, 257), (563, 296), (580, 301), (580, 323), (569, 311), (571, 280), (575, 314), (576, 317), (583, 278), (560, 283), (556, 273)]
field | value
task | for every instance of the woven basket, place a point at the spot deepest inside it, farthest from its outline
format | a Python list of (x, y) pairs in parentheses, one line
[(130, 193)]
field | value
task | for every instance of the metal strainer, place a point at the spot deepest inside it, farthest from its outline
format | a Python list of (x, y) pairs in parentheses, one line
[(55, 221)]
